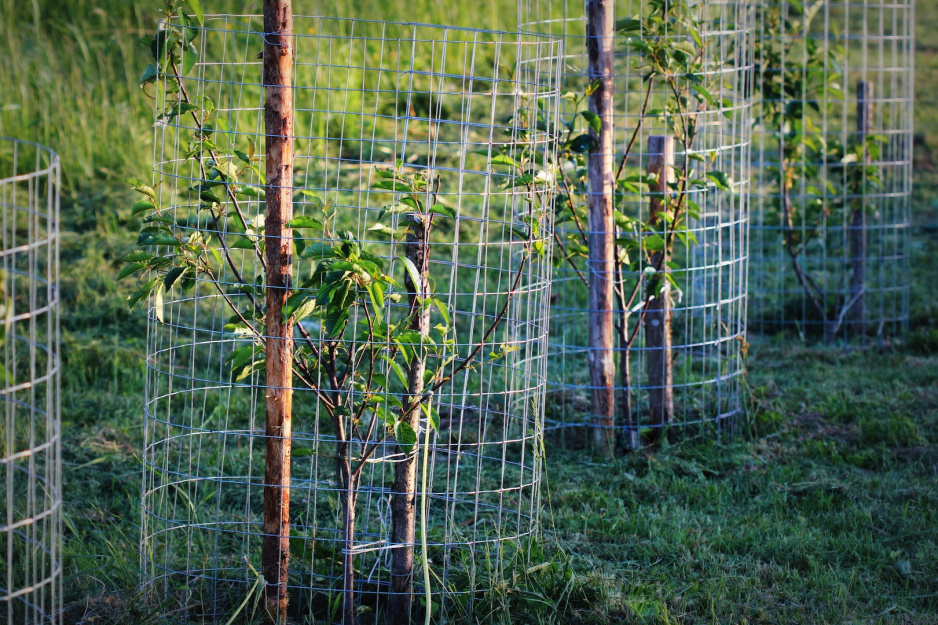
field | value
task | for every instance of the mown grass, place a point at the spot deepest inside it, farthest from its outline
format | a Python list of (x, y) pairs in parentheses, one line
[(823, 510)]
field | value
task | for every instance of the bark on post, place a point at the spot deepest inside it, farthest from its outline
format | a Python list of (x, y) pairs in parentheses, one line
[(404, 491), (602, 367), (658, 313), (856, 297), (278, 118)]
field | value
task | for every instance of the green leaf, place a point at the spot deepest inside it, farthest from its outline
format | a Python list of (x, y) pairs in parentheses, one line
[(312, 199), (653, 243), (149, 74), (433, 417), (243, 157), (593, 120), (406, 437), (504, 159), (130, 269), (196, 7), (376, 296), (582, 143), (393, 185), (142, 292), (412, 272), (243, 243), (300, 452), (158, 238), (391, 232), (628, 25), (172, 276), (305, 221), (398, 370), (158, 302), (439, 209), (140, 187), (228, 169), (141, 206), (137, 256), (722, 181), (444, 310), (318, 251), (189, 58), (300, 305)]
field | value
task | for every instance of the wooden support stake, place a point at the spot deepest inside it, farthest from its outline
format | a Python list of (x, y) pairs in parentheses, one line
[(601, 239), (857, 297), (658, 313), (278, 118), (404, 491)]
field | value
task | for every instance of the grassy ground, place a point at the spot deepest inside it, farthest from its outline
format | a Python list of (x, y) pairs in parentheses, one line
[(824, 511)]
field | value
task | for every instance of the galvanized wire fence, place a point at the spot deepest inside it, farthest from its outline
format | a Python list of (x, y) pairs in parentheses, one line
[(833, 151), (687, 375), (417, 148), (30, 451)]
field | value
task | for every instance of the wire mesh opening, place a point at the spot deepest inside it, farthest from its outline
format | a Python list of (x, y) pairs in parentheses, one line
[(375, 102), (708, 261), (833, 148), (30, 452)]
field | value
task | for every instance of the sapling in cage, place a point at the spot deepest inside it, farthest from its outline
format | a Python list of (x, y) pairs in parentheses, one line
[(834, 133), (380, 334), (667, 56)]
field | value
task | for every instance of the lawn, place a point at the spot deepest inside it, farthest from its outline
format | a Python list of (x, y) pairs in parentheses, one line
[(823, 509)]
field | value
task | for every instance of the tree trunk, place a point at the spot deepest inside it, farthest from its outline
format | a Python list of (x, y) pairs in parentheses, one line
[(857, 297), (658, 313), (350, 499), (404, 492), (601, 239), (278, 116)]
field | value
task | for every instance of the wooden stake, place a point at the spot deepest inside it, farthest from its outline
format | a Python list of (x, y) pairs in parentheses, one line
[(278, 117), (601, 238), (404, 491), (857, 297), (658, 313)]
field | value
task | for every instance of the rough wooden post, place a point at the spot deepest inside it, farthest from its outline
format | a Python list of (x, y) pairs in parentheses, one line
[(857, 297), (658, 313), (278, 118), (601, 54), (404, 491)]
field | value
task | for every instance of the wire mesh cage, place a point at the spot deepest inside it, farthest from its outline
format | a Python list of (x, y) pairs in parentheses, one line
[(833, 149), (30, 452), (677, 346), (422, 175)]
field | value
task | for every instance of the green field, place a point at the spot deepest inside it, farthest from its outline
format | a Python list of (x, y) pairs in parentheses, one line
[(824, 509)]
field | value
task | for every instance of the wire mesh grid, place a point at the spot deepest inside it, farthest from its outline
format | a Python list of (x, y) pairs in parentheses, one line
[(388, 117), (709, 255), (30, 452), (833, 148)]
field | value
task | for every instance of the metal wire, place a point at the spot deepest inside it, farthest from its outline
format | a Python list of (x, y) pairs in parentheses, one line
[(837, 203), (709, 301), (443, 101), (30, 451)]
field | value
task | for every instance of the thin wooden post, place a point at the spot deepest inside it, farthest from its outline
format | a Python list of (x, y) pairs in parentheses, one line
[(601, 239), (658, 312), (404, 491), (857, 296), (278, 118)]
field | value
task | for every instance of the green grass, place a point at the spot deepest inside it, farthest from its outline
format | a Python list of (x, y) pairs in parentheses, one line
[(824, 510)]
